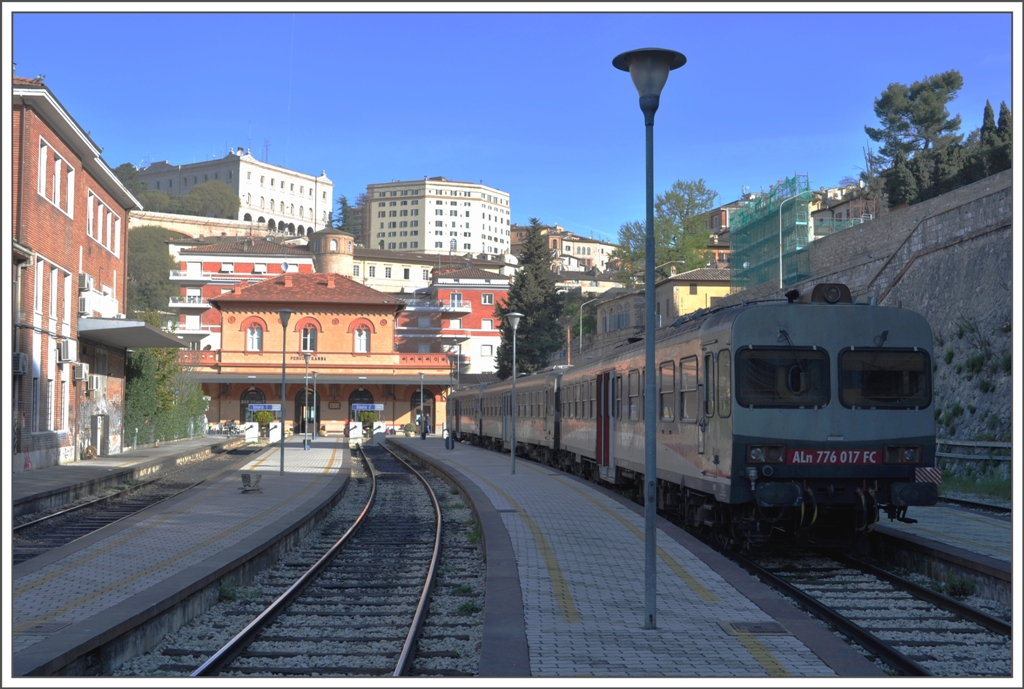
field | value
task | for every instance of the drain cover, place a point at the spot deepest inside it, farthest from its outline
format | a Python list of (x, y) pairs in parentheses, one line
[(48, 628), (759, 627)]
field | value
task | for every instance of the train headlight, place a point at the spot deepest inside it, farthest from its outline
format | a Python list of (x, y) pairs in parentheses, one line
[(903, 454), (755, 454), (774, 453)]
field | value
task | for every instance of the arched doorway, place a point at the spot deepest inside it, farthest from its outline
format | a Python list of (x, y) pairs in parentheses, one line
[(250, 396), (247, 217), (426, 407), (307, 410), (359, 397), (271, 225)]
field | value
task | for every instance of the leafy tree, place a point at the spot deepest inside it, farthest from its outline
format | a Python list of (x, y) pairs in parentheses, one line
[(213, 199), (679, 231), (162, 397), (914, 118), (129, 176), (157, 201), (532, 293), (149, 269)]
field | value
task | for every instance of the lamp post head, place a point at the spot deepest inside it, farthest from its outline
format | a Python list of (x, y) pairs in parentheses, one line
[(649, 68), (421, 376), (306, 356), (513, 319), (285, 314)]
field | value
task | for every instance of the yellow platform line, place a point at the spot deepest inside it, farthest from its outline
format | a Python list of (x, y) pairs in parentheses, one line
[(703, 593), (559, 587), (23, 626), (762, 655)]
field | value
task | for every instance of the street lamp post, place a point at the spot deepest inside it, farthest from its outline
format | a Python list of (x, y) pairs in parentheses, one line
[(305, 404), (780, 233), (581, 321), (649, 68), (285, 314), (316, 407), (513, 320), (423, 412)]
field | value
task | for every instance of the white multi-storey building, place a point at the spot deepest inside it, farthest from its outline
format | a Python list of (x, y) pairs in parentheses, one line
[(282, 200), (436, 215)]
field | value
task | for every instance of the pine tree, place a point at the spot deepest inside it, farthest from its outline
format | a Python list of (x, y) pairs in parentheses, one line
[(900, 185), (532, 293)]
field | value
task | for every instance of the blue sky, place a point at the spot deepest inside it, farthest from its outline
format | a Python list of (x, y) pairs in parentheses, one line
[(525, 102)]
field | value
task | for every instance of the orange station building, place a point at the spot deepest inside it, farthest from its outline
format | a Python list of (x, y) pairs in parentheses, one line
[(347, 329)]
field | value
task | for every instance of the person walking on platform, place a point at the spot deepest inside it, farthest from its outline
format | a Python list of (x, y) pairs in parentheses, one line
[(426, 425)]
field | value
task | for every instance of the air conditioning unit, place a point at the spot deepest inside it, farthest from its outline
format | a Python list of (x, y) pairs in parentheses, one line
[(94, 383), (119, 315), (20, 365), (84, 282), (81, 372), (84, 307), (67, 351)]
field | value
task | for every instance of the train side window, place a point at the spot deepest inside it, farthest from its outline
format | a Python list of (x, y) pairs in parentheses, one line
[(593, 399), (709, 385), (688, 389), (643, 394), (618, 397), (576, 412), (634, 395), (724, 383), (666, 390)]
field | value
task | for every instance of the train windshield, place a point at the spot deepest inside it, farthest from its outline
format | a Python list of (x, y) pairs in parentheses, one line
[(782, 377), (884, 379)]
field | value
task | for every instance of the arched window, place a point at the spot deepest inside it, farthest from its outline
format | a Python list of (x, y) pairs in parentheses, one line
[(316, 246), (271, 204), (334, 245), (291, 209), (309, 339), (248, 217), (248, 199), (301, 214), (254, 342), (261, 201), (362, 340), (251, 396)]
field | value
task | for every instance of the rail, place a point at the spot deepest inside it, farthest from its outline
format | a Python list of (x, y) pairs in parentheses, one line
[(969, 449)]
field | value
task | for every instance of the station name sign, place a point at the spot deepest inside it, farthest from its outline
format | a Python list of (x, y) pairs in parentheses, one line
[(264, 407), (362, 407)]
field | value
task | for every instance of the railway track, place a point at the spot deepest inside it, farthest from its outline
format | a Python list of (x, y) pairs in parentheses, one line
[(46, 533), (981, 506), (351, 606), (916, 631)]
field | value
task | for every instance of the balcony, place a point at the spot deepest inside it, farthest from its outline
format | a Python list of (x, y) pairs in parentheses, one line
[(204, 276), (188, 302), (438, 306), (196, 332)]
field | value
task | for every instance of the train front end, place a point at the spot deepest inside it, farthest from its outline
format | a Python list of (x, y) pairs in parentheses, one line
[(833, 419)]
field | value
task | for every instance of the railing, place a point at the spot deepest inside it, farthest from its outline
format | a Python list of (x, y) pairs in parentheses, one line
[(463, 305), (970, 449), (194, 357), (215, 276), (197, 330), (188, 301)]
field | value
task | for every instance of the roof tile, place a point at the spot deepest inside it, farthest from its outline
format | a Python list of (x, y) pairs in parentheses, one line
[(308, 288)]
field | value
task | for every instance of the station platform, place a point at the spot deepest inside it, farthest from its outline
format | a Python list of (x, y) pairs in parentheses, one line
[(84, 607), (989, 535), (50, 487), (565, 587)]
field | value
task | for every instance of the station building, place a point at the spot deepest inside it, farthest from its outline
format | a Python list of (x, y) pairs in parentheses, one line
[(70, 336), (349, 332)]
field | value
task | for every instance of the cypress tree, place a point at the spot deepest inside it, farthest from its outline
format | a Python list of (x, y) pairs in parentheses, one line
[(532, 293), (900, 185), (1002, 152)]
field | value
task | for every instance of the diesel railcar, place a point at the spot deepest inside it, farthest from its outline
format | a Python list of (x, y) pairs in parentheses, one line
[(803, 418)]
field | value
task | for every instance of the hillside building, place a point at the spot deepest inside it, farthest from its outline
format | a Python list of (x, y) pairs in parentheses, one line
[(282, 200)]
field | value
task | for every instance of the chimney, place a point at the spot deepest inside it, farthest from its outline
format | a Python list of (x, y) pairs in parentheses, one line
[(239, 286), (330, 281), (672, 270), (287, 280)]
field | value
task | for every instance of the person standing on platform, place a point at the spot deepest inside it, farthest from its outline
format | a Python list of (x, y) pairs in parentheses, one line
[(426, 425)]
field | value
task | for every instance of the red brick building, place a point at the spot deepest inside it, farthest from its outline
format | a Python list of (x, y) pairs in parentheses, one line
[(70, 279), (347, 329)]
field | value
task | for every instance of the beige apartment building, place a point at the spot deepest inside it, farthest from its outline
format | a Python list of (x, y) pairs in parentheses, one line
[(436, 215)]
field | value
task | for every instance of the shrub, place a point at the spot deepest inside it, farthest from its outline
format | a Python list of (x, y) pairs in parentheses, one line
[(971, 408), (986, 385), (948, 356), (975, 363), (1007, 362), (956, 410), (958, 368)]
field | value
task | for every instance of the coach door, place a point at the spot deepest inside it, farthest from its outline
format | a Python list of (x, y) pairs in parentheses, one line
[(605, 425), (506, 419)]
